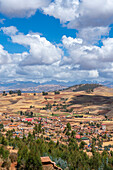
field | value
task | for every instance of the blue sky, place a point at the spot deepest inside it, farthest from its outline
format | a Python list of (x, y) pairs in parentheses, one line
[(46, 25), (63, 40)]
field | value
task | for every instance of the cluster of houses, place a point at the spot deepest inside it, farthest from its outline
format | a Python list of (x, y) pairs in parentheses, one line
[(54, 129)]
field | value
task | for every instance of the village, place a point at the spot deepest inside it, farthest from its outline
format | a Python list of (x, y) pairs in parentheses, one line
[(55, 129)]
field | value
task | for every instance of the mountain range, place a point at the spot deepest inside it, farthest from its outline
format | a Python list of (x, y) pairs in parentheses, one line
[(47, 86)]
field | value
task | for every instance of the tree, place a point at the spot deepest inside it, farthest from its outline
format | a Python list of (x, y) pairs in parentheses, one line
[(39, 128), (30, 137), (93, 147), (21, 113), (4, 93), (44, 93), (1, 126), (75, 160), (82, 144), (4, 141), (34, 134), (106, 117), (10, 92), (73, 134), (57, 92), (4, 153), (31, 114), (22, 157), (33, 161), (36, 128), (9, 134), (98, 125), (68, 133), (95, 161), (24, 137), (48, 106), (71, 110), (68, 126), (12, 120), (19, 93)]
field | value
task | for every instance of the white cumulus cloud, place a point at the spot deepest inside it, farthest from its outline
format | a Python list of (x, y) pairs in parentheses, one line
[(5, 57), (92, 35), (65, 10), (88, 57), (21, 8), (41, 51), (75, 59), (9, 30), (81, 14)]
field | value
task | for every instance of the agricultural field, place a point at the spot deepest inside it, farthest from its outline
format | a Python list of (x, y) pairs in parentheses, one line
[(69, 102)]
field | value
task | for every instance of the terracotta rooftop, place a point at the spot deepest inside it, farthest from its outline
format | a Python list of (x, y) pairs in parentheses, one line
[(48, 160), (45, 159)]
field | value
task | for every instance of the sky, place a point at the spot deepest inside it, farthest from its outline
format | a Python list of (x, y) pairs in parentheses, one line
[(62, 40)]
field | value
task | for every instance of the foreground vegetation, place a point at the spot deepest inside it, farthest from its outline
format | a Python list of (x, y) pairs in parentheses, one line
[(70, 156)]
